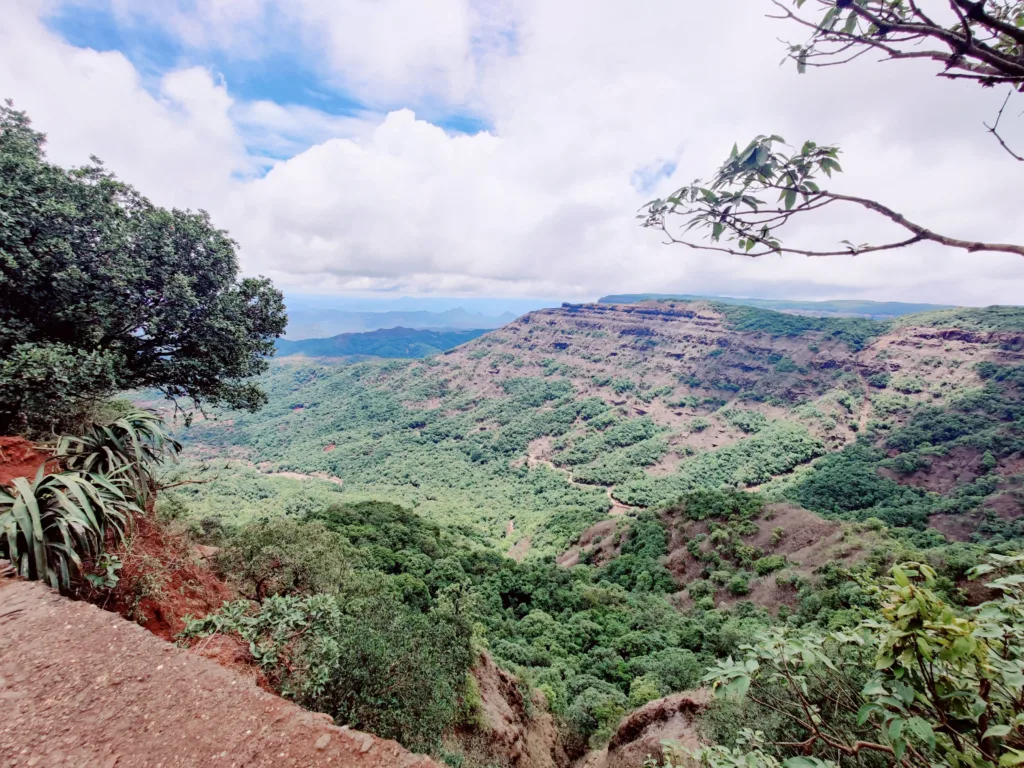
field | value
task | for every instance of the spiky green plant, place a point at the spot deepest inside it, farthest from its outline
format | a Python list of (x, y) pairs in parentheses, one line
[(48, 525), (124, 450)]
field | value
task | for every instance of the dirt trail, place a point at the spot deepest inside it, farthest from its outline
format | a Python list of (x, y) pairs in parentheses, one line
[(618, 508), (85, 688)]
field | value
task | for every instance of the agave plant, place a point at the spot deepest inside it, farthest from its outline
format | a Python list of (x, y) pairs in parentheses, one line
[(49, 524), (124, 451)]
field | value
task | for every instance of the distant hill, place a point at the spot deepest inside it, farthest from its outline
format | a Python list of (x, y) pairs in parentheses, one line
[(387, 342), (319, 322), (837, 308)]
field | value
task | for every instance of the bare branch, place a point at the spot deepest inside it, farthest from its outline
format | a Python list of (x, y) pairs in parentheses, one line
[(994, 130)]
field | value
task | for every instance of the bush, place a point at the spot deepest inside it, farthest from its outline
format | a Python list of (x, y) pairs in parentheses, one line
[(595, 713), (49, 524), (769, 564), (739, 584), (644, 689), (285, 557), (699, 588), (370, 662)]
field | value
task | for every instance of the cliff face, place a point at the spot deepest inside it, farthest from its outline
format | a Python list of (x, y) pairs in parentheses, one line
[(696, 357), (511, 732)]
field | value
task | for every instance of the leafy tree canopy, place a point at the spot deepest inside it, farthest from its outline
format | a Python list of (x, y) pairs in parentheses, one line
[(100, 291)]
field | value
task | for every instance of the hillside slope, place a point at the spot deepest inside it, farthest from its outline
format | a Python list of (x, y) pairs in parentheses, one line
[(534, 432), (125, 698), (836, 307)]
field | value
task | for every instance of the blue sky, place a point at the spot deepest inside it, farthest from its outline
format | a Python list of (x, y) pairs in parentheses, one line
[(284, 73), (502, 148)]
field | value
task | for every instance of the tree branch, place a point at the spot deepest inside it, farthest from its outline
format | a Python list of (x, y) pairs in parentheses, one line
[(994, 130)]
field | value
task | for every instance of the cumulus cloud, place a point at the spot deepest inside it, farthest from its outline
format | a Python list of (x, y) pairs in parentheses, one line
[(592, 108)]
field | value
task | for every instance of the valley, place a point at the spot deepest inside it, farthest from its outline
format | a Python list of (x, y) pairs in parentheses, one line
[(631, 492), (567, 413)]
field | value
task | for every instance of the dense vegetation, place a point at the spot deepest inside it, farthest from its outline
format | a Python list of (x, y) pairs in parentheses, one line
[(526, 463), (387, 342), (101, 291)]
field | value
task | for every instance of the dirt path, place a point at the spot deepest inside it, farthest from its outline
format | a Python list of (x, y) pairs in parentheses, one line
[(83, 688), (618, 508)]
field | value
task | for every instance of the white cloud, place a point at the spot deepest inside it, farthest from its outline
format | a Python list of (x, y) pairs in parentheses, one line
[(581, 96)]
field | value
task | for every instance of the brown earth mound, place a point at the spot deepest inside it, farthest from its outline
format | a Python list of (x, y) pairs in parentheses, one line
[(164, 579), (807, 542), (639, 736), (82, 687), (19, 458)]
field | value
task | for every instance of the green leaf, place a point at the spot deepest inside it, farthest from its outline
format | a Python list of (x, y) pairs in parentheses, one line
[(900, 577), (898, 748), (997, 731), (923, 730), (864, 713)]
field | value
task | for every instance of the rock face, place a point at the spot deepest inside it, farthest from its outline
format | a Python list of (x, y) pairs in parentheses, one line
[(641, 734), (511, 734), (83, 687)]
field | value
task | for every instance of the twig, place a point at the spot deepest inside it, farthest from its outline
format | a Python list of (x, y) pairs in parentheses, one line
[(994, 130)]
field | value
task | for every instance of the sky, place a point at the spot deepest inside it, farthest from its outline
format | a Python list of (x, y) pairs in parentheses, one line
[(500, 148)]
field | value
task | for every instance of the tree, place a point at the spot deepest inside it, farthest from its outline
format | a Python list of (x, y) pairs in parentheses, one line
[(917, 683), (100, 291), (764, 186), (283, 556)]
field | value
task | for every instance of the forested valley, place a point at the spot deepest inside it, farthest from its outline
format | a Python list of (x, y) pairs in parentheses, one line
[(643, 532)]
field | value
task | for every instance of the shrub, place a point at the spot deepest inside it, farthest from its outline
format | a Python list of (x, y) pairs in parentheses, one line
[(50, 524), (767, 565), (644, 689), (370, 662), (124, 450), (739, 584), (595, 713), (699, 588), (285, 557)]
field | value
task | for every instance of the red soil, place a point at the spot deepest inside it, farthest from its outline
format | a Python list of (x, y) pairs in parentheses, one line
[(19, 458), (164, 579)]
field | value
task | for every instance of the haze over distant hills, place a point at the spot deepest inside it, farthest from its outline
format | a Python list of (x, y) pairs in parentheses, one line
[(837, 308), (324, 323), (314, 316)]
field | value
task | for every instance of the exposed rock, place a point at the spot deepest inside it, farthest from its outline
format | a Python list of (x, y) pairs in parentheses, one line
[(640, 735), (511, 733)]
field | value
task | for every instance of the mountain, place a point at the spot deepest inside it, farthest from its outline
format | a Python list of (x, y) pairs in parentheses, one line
[(837, 308), (386, 342), (629, 494), (308, 323), (533, 432)]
